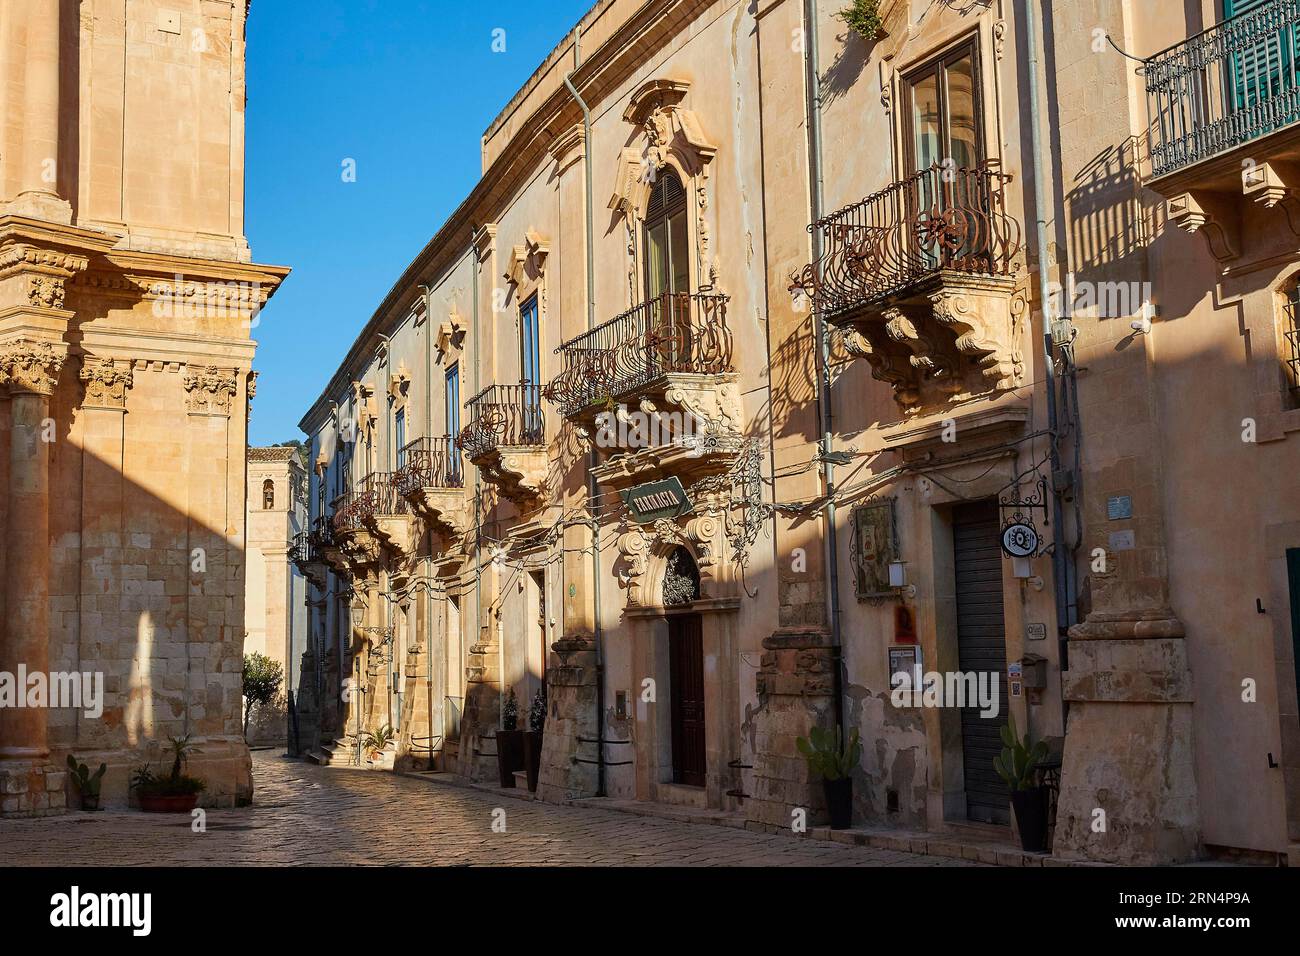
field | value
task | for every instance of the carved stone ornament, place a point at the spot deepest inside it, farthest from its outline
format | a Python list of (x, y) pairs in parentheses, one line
[(958, 338), (210, 390), (27, 365), (106, 382), (46, 292), (672, 136), (659, 546)]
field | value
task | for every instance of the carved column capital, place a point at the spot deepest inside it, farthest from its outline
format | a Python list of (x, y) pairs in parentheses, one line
[(106, 382), (210, 390), (27, 365)]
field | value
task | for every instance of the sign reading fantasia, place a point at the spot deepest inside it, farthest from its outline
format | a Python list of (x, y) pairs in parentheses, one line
[(657, 499)]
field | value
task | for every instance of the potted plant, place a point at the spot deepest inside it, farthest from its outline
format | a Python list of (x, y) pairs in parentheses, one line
[(510, 741), (175, 793), (863, 18), (88, 784), (1017, 765), (377, 741), (834, 764), (533, 738)]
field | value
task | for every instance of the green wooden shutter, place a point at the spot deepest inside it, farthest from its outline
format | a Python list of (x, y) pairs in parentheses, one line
[(1264, 66)]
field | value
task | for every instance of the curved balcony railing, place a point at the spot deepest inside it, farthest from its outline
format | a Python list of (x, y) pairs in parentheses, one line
[(938, 219), (429, 463), (1231, 84), (378, 497), (499, 415), (303, 548), (346, 514), (676, 332), (322, 534)]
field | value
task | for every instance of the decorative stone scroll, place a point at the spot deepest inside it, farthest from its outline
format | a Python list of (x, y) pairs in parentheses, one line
[(672, 136)]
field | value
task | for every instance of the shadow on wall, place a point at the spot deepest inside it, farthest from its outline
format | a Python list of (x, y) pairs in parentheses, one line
[(146, 595)]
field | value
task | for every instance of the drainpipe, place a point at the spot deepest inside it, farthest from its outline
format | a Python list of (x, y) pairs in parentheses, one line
[(1060, 563), (478, 491), (591, 454), (812, 61), (428, 558)]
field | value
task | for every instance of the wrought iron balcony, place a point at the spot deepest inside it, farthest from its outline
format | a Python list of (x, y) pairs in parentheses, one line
[(429, 463), (303, 549), (503, 416), (676, 332), (378, 497), (938, 220), (1234, 83), (346, 514)]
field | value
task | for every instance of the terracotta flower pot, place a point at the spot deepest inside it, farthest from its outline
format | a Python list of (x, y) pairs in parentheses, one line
[(175, 803)]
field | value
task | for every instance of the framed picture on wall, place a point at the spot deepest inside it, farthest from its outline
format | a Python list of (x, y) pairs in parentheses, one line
[(874, 544)]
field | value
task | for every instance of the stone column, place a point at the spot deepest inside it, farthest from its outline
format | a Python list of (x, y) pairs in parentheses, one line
[(38, 192), (30, 369)]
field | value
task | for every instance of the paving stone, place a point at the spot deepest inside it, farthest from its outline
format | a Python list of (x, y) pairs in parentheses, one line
[(304, 815)]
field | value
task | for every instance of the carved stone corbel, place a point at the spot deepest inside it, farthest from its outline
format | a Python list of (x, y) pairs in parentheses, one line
[(1274, 185), (1215, 217)]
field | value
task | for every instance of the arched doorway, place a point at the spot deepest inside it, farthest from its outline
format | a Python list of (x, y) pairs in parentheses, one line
[(686, 668)]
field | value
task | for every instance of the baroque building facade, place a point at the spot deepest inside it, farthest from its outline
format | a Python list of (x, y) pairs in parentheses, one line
[(275, 592), (768, 361), (127, 296)]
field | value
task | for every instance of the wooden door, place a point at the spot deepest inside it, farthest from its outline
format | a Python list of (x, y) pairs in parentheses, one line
[(686, 663)]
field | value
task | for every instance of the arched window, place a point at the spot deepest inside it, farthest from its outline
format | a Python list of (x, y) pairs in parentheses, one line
[(268, 495), (667, 248), (681, 579)]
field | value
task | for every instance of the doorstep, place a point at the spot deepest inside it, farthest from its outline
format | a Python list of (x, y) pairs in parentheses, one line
[(958, 842)]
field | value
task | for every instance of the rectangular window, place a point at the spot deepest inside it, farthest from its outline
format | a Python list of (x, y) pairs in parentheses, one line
[(399, 438), (452, 392), (530, 361), (942, 103), (1291, 340)]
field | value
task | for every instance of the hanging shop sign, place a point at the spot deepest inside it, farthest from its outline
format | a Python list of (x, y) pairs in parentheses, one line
[(1020, 540), (1020, 537), (654, 500)]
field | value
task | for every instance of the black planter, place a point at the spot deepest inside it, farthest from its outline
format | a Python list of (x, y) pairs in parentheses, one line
[(839, 800), (532, 757), (1031, 818), (510, 755)]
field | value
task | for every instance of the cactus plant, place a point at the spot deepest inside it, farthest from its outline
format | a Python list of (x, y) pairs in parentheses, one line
[(825, 755), (88, 784), (1019, 758), (377, 740)]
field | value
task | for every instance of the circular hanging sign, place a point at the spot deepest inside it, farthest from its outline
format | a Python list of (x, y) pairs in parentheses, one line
[(1020, 540)]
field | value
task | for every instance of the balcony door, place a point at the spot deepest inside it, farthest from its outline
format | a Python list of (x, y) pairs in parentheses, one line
[(399, 440), (667, 271), (451, 393), (942, 101), (530, 372)]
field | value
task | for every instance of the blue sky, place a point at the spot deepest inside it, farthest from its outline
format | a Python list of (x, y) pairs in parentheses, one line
[(403, 87)]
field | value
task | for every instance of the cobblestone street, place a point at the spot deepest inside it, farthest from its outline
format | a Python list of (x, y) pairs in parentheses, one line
[(308, 815)]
